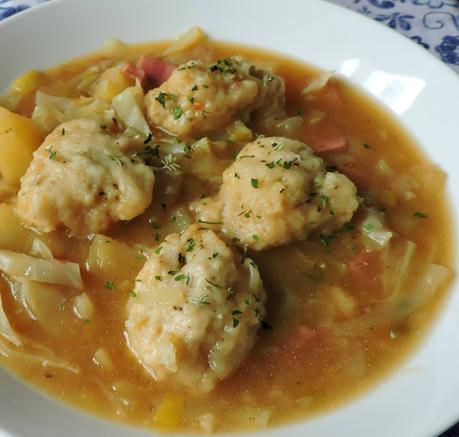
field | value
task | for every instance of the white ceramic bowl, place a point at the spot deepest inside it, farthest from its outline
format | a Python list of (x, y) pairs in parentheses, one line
[(422, 397)]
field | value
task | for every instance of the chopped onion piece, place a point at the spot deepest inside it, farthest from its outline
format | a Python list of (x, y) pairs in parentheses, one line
[(376, 234), (318, 83), (126, 104), (103, 360), (40, 249), (51, 271), (5, 328), (432, 278), (83, 307)]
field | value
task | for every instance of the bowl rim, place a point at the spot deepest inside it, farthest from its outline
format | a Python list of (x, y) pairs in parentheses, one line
[(433, 68)]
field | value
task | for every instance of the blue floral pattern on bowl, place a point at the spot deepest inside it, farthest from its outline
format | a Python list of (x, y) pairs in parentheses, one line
[(433, 24)]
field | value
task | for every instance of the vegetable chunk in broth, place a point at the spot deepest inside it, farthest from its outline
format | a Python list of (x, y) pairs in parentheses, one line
[(204, 237)]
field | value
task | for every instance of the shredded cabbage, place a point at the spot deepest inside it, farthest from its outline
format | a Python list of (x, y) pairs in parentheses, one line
[(50, 111), (42, 355), (5, 328), (50, 271), (40, 300), (40, 249), (394, 276), (128, 106), (400, 304), (318, 83), (290, 126), (185, 41)]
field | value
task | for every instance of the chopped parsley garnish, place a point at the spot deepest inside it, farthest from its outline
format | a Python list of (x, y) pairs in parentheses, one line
[(255, 237), (326, 239), (110, 285), (268, 77), (190, 243), (195, 88), (148, 155), (367, 146), (244, 253), (180, 277), (287, 164), (148, 139), (235, 322), (51, 153), (276, 146), (133, 293), (204, 300), (248, 301), (161, 99), (420, 214), (270, 165), (236, 312), (170, 163), (347, 227), (191, 99), (154, 225), (118, 159), (158, 278), (368, 227), (213, 284), (246, 156), (63, 131), (324, 200), (254, 183), (237, 176), (177, 112), (158, 250)]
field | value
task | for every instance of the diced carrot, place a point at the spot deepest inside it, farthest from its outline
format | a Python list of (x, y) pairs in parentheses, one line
[(198, 106)]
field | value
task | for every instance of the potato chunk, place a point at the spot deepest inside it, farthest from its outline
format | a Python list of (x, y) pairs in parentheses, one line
[(196, 310), (19, 137)]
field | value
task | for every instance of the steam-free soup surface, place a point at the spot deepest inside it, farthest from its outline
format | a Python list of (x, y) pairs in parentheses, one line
[(343, 306)]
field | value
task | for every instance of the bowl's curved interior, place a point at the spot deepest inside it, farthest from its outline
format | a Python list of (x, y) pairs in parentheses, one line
[(422, 397)]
